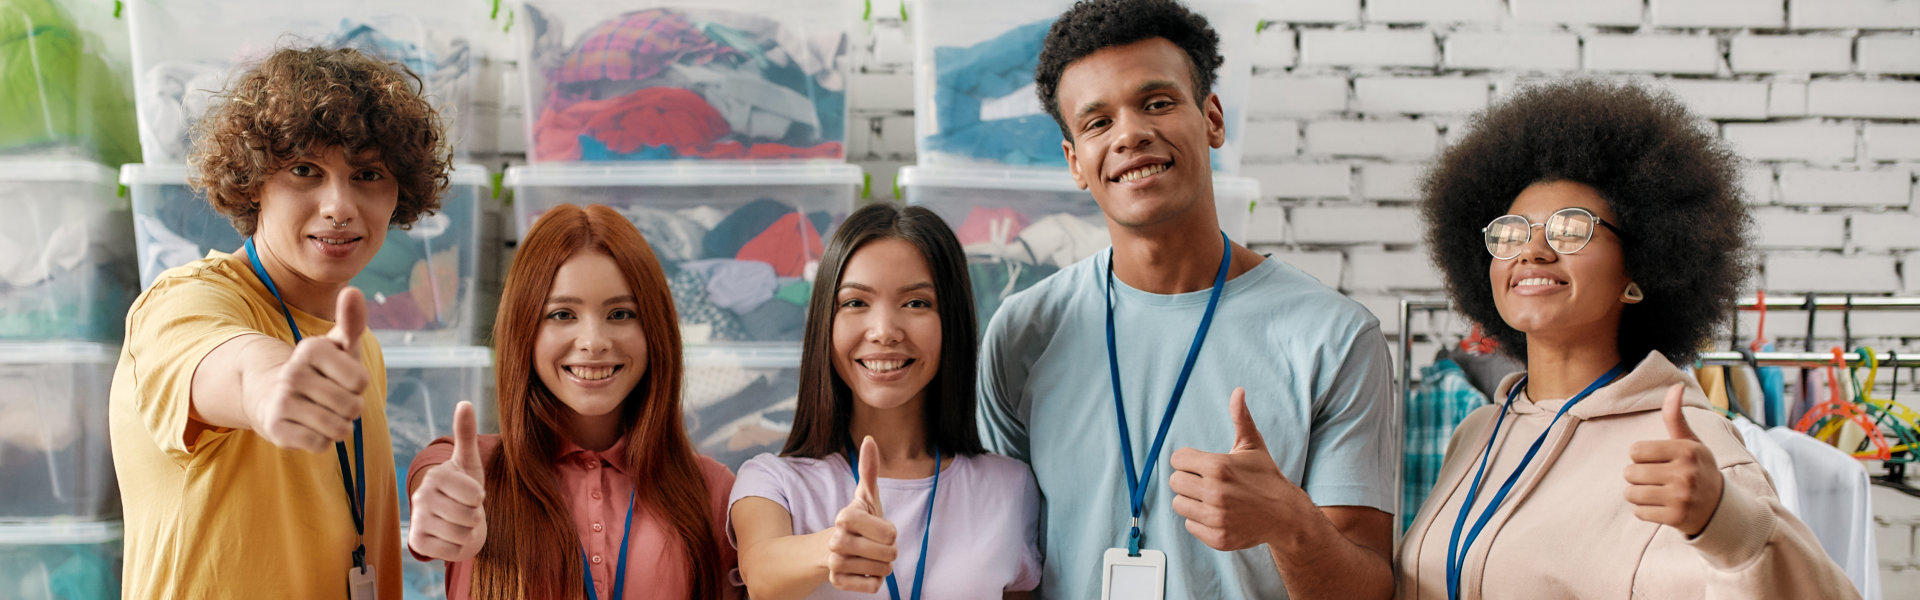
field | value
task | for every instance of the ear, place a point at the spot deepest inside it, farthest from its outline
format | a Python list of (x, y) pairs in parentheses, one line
[(1216, 121), (1073, 166)]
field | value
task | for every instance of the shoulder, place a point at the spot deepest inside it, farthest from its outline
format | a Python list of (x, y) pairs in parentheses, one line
[(998, 467), (718, 476), (771, 469), (204, 283), (1293, 301), (1044, 301)]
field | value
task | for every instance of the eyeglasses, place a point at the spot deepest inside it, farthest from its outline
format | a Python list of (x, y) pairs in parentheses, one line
[(1567, 230)]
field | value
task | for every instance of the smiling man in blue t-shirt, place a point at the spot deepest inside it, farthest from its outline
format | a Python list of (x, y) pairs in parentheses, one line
[(1305, 466)]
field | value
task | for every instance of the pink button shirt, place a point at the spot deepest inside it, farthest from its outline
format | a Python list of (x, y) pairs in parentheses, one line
[(596, 486)]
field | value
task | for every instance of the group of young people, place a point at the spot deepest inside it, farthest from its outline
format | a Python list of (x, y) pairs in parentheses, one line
[(1174, 417)]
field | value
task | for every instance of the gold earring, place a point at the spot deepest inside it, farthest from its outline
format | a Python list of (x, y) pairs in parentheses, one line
[(1633, 295)]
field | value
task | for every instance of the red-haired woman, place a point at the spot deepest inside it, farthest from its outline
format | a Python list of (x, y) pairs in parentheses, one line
[(588, 369)]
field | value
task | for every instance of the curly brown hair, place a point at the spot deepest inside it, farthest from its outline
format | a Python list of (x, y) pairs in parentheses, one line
[(1671, 181), (301, 100), (1094, 25)]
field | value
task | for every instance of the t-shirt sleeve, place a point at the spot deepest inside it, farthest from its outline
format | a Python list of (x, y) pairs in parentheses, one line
[(172, 328), (1001, 383), (762, 477), (1028, 576), (720, 490), (1354, 451)]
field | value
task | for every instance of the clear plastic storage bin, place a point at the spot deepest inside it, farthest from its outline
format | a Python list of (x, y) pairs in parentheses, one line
[(423, 386), (685, 79), (60, 561), (738, 401), (1018, 226), (65, 250), (434, 284), (68, 95), (739, 241), (974, 99), (184, 51), (54, 454)]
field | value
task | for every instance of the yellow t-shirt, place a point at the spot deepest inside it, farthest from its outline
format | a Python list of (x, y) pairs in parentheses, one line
[(225, 513)]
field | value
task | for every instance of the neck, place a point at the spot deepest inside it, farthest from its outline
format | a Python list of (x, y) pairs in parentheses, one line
[(593, 433), (1174, 261), (312, 297), (1559, 368), (901, 434)]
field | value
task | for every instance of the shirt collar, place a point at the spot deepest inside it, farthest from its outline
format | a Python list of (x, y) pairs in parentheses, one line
[(572, 454)]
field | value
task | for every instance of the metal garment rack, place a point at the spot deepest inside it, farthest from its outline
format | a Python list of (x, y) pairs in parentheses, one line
[(1803, 359)]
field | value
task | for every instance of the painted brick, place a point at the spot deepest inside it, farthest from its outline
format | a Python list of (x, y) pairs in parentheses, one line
[(1891, 230), (1270, 140), (1787, 99), (1379, 270), (1302, 180), (1782, 228), (1791, 53), (1267, 223), (1790, 141), (1388, 181), (1886, 141), (1354, 225), (1852, 14), (891, 46), (1555, 51), (1869, 99), (1577, 12), (1829, 273), (1311, 11), (1888, 187), (1886, 54), (1297, 95), (1386, 308), (863, 136), (1434, 11), (1324, 266), (896, 137), (1393, 139), (1769, 14), (1758, 184), (1372, 48), (1723, 100), (1273, 48), (1420, 95), (1692, 54), (881, 91)]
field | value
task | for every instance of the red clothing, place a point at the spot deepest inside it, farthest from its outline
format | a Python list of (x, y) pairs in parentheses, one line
[(596, 487)]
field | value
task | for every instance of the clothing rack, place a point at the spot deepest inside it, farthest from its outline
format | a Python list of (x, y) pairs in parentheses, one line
[(1804, 359)]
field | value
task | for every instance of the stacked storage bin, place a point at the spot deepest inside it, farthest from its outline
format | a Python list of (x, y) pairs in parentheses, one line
[(718, 128), (989, 158), (432, 289)]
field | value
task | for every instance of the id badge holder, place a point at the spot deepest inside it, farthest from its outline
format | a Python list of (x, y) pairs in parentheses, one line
[(362, 585), (1142, 577)]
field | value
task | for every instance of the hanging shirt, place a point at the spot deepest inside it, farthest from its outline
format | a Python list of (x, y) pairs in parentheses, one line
[(1440, 402), (1776, 460), (1837, 502), (1315, 368), (215, 512)]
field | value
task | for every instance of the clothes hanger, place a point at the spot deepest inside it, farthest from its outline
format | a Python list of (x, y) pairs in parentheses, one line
[(1892, 415), (1842, 412)]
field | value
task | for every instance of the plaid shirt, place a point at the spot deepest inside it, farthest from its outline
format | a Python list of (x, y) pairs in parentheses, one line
[(1440, 402)]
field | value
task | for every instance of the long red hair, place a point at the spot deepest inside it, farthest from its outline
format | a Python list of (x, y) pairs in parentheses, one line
[(532, 550)]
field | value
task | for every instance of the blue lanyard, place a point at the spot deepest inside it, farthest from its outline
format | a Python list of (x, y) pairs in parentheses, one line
[(619, 575), (920, 571), (357, 488), (1136, 485), (1456, 551)]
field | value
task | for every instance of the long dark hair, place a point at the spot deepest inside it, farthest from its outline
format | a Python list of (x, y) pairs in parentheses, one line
[(822, 422)]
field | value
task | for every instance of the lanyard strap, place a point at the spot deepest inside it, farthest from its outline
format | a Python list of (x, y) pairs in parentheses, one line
[(920, 570), (1457, 551), (357, 486), (1136, 485), (619, 575)]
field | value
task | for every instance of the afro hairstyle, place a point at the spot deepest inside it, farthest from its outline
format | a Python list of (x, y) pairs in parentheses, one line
[(1093, 25)]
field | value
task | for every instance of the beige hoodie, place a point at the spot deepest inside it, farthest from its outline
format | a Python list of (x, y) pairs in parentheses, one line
[(1566, 530)]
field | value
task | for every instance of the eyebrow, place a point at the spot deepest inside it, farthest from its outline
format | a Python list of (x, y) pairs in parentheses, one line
[(1150, 86), (610, 301), (869, 289)]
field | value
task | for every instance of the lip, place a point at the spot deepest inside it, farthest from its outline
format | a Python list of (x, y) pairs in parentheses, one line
[(859, 363), (1520, 275), (335, 250), (567, 372), (1144, 161)]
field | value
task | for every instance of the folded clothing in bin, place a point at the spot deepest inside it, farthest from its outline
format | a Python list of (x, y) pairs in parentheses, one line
[(58, 90), (985, 101), (662, 84)]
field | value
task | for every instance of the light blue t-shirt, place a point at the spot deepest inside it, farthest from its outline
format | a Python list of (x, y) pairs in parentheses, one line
[(1315, 368)]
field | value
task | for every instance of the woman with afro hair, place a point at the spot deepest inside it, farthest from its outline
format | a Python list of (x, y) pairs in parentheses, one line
[(1596, 231)]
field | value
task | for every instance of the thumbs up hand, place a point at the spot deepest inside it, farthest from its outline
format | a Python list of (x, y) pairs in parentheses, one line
[(1675, 481), (861, 546), (1235, 500), (316, 395), (449, 513)]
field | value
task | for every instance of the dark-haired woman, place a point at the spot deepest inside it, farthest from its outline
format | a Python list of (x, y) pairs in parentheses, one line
[(1597, 232), (592, 489), (883, 489)]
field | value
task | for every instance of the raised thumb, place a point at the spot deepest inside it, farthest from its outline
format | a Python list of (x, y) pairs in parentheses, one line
[(1677, 427), (349, 318), (1246, 436), (466, 442), (868, 493)]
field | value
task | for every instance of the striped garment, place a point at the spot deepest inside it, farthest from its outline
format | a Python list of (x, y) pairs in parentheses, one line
[(1443, 398)]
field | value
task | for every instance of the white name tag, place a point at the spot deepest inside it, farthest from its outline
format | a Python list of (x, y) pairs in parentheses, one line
[(1142, 577), (362, 585)]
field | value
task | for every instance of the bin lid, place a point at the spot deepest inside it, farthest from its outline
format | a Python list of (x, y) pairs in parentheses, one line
[(59, 533), (438, 357), (683, 173), (43, 353), (81, 171)]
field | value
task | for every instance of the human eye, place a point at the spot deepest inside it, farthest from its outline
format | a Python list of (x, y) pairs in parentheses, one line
[(919, 303), (372, 175), (560, 315), (853, 303), (303, 170), (622, 314)]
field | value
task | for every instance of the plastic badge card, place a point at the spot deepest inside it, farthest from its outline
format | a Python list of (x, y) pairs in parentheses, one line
[(1142, 577)]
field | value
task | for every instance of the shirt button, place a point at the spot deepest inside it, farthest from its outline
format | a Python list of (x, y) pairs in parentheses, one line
[(596, 559), (591, 464), (596, 527), (596, 495)]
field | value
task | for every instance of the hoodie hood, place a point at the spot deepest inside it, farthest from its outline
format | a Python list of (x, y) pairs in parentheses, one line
[(1641, 390)]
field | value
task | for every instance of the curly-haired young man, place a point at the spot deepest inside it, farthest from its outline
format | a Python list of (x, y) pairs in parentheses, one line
[(1304, 463), (255, 458)]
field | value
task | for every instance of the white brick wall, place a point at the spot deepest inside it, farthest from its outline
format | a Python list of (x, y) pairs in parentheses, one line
[(1786, 228), (1649, 53), (1892, 142), (1792, 53), (1830, 273), (1577, 12), (1513, 51), (1872, 99), (1718, 99), (1420, 95), (1822, 187), (1391, 181), (1302, 180), (1791, 141), (1882, 231), (1388, 139), (1271, 140), (1391, 271), (1324, 266), (1298, 95), (1274, 48), (1435, 11), (1850, 14), (1369, 48), (1767, 14), (1350, 224), (1889, 54), (1310, 11)]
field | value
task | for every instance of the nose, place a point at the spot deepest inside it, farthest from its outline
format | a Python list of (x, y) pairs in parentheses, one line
[(337, 200), (883, 328), (1131, 131), (1536, 250), (592, 337)]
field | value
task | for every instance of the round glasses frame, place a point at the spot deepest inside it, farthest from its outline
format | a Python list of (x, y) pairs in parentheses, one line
[(1561, 238)]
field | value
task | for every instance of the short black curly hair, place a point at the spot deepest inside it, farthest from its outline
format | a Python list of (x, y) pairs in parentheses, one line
[(1092, 25), (1668, 178)]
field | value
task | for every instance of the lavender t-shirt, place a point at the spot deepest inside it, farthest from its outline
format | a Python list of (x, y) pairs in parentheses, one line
[(985, 520)]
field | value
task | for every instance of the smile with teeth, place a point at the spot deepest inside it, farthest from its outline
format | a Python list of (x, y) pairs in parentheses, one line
[(885, 366), (592, 373), (1146, 171), (335, 241), (1538, 281)]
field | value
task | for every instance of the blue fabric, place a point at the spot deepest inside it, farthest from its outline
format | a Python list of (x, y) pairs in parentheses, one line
[(1773, 389), (967, 76), (1440, 402), (1318, 382)]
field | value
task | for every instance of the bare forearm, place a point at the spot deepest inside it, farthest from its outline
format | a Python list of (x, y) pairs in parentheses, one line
[(785, 567), (237, 370), (1317, 560)]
